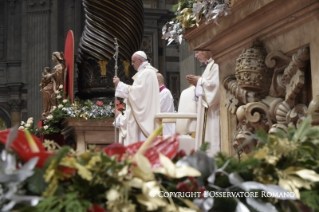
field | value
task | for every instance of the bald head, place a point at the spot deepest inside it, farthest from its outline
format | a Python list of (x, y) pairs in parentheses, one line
[(160, 79), (203, 56)]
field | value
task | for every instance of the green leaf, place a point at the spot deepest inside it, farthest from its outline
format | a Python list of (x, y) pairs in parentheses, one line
[(204, 147), (310, 198), (36, 183), (302, 129), (313, 133), (262, 136)]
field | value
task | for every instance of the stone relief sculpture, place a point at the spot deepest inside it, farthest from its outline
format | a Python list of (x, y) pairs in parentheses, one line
[(264, 93), (51, 81)]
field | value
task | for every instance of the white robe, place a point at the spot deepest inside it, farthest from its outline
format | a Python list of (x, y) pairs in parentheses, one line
[(186, 105), (142, 103), (207, 89), (167, 106), (121, 124)]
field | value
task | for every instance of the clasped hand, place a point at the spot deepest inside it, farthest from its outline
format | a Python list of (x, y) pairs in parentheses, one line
[(116, 80), (192, 79)]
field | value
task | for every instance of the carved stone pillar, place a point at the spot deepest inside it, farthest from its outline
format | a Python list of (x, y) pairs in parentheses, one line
[(15, 102), (15, 106)]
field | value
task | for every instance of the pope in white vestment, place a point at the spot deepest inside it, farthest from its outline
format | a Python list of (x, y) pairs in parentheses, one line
[(207, 95), (166, 103), (142, 99)]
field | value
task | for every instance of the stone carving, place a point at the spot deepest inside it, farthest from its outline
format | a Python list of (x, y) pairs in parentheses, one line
[(313, 110), (264, 92), (251, 71), (38, 5), (51, 82), (16, 104)]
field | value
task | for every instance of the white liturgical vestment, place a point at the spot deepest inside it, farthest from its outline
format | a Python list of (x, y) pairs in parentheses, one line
[(167, 106), (142, 103), (121, 125), (207, 89)]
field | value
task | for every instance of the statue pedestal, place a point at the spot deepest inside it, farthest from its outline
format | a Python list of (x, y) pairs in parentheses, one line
[(84, 132)]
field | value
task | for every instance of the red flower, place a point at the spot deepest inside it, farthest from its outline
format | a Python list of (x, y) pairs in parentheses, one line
[(120, 107), (182, 187), (22, 147), (67, 170), (117, 102), (96, 208), (167, 147), (99, 103), (181, 153)]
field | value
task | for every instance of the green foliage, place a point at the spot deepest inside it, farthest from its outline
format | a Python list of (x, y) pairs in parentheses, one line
[(311, 198), (68, 202), (182, 4), (204, 147), (36, 184)]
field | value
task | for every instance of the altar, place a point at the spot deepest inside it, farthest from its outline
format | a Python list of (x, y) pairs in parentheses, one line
[(98, 132)]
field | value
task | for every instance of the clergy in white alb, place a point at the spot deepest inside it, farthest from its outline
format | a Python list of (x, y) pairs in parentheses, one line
[(186, 104), (207, 94), (142, 99), (121, 124), (166, 103)]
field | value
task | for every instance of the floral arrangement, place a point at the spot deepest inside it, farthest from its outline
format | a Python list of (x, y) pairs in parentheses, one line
[(29, 125), (82, 109), (189, 13), (125, 178)]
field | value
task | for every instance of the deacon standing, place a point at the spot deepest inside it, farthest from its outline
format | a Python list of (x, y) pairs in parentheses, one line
[(207, 95), (142, 99), (167, 104)]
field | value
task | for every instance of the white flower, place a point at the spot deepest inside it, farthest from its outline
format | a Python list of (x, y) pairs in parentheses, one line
[(50, 117), (61, 86), (112, 195), (21, 128), (65, 101), (60, 106), (27, 125), (46, 127), (57, 92), (59, 96), (30, 121), (22, 123), (53, 108)]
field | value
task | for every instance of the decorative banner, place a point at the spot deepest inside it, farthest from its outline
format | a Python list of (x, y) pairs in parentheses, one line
[(69, 64)]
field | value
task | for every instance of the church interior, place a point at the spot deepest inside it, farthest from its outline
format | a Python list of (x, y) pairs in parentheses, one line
[(80, 129)]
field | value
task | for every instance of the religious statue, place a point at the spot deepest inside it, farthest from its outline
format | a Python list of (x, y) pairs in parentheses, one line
[(51, 82)]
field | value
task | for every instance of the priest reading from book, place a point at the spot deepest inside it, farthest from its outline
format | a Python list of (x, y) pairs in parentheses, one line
[(207, 96), (142, 99)]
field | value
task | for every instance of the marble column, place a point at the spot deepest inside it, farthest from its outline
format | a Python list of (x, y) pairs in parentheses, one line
[(37, 51), (15, 108), (15, 102)]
